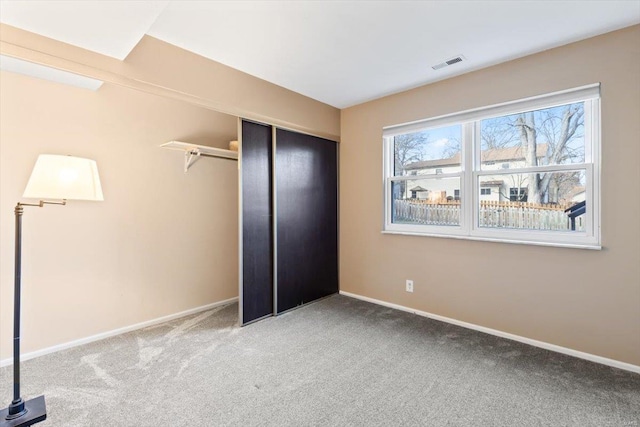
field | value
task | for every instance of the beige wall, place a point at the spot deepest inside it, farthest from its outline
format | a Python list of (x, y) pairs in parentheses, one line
[(581, 299), (162, 241)]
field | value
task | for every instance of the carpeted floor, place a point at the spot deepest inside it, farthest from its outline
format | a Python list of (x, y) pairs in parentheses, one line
[(338, 362)]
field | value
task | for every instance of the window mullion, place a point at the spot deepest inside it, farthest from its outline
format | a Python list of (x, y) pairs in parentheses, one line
[(468, 156), (425, 177), (534, 169), (387, 161), (588, 131), (590, 198), (595, 143)]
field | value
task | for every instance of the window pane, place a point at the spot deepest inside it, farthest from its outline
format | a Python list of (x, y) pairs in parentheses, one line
[(551, 136), (426, 201), (538, 201), (427, 152)]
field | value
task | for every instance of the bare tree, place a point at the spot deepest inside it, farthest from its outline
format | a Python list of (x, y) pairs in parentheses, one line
[(453, 147), (497, 133), (407, 148), (558, 128)]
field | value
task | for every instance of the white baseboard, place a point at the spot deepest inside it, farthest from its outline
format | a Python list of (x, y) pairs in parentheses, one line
[(124, 330), (535, 343)]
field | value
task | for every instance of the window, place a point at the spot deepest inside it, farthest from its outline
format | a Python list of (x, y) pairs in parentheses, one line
[(518, 194), (525, 171)]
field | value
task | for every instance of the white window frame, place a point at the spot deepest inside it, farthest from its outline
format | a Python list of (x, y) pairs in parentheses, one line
[(471, 172)]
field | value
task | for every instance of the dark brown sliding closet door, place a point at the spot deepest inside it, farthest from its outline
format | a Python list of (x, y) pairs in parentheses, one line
[(256, 293), (306, 177)]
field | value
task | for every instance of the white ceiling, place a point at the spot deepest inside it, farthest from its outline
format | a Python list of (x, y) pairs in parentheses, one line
[(109, 27), (338, 52)]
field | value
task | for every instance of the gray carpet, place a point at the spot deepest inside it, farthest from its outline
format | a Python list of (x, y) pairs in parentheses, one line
[(338, 362)]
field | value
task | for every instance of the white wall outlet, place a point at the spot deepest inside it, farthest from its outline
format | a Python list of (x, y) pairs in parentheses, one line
[(409, 285)]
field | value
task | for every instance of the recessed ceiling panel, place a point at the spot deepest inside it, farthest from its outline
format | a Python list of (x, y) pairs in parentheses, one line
[(112, 28), (38, 71)]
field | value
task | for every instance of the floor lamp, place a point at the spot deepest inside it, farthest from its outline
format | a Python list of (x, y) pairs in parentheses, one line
[(57, 178)]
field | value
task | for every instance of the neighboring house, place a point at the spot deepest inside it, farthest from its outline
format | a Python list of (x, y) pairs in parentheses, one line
[(511, 187), (578, 194), (419, 192)]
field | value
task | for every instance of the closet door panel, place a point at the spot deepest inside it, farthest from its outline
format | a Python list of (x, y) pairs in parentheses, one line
[(257, 227), (306, 218)]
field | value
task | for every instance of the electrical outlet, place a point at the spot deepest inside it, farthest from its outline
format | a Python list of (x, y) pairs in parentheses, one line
[(409, 285)]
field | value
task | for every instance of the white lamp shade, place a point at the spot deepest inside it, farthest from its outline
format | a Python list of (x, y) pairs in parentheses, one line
[(64, 177)]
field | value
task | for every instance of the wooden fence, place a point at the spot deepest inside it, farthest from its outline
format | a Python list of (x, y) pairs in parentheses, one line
[(493, 214), (418, 212)]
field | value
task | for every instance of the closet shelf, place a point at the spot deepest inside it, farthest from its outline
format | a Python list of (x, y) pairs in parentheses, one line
[(193, 151)]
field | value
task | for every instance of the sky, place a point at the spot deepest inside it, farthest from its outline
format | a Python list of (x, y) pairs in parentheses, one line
[(444, 141)]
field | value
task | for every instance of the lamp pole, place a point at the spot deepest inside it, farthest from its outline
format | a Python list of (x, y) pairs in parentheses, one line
[(17, 407), (21, 413)]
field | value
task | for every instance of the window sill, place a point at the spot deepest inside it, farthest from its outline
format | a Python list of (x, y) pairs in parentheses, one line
[(497, 240)]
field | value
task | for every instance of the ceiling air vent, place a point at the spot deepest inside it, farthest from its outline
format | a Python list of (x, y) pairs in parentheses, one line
[(448, 62)]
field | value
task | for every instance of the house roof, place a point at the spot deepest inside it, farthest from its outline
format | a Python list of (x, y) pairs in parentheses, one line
[(426, 164), (491, 155), (418, 188), (494, 183), (575, 191)]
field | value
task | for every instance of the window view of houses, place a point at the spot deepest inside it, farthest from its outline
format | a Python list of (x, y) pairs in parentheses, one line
[(525, 175)]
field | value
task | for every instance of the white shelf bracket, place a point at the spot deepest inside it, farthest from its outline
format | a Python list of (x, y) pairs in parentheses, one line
[(189, 158), (192, 152)]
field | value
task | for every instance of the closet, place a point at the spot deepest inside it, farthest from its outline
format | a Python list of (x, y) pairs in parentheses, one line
[(289, 220)]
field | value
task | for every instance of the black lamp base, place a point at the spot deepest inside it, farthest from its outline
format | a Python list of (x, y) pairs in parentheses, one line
[(36, 412)]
